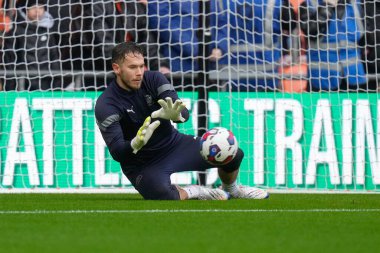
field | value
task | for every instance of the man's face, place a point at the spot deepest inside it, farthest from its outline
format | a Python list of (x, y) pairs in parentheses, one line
[(129, 73), (35, 12)]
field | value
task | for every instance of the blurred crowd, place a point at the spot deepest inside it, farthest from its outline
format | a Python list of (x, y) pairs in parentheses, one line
[(239, 45)]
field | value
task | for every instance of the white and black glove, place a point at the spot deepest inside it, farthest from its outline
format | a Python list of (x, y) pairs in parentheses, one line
[(169, 110), (144, 134)]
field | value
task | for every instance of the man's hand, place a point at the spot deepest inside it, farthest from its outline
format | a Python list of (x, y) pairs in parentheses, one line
[(216, 54), (169, 110), (332, 2), (164, 70), (144, 134)]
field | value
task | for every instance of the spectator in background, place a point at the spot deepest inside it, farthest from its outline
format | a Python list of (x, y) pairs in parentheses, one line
[(105, 24), (177, 23), (254, 45), (371, 41), (63, 12), (333, 29), (30, 47), (6, 15)]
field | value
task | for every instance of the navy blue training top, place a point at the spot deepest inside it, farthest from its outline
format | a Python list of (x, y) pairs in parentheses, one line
[(120, 113)]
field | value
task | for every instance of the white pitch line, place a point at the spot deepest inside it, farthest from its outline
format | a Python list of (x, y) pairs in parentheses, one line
[(190, 211)]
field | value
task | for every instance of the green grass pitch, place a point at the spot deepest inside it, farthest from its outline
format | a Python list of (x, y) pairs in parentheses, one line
[(126, 223)]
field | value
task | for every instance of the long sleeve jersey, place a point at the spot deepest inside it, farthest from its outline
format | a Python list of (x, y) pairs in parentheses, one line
[(120, 113)]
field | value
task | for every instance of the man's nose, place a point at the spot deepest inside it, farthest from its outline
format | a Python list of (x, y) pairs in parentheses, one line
[(139, 71)]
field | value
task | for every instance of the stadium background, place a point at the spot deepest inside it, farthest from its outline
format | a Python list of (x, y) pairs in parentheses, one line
[(296, 141), (53, 150)]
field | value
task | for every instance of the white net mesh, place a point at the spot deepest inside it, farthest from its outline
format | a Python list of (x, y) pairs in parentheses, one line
[(295, 81)]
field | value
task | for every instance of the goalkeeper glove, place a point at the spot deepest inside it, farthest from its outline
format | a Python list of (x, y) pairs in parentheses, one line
[(144, 134), (169, 110)]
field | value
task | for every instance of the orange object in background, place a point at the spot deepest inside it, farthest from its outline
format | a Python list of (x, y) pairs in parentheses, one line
[(5, 20), (295, 86), (296, 4), (298, 65)]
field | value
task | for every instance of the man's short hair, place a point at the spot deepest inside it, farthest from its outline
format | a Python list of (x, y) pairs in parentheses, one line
[(121, 50), (32, 3)]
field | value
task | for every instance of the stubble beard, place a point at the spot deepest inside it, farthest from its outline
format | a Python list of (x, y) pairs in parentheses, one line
[(129, 85)]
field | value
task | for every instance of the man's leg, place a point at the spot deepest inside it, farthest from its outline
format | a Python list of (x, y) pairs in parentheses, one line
[(153, 183), (186, 157), (228, 174)]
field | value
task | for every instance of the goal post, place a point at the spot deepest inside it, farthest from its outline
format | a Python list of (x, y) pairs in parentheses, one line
[(294, 140)]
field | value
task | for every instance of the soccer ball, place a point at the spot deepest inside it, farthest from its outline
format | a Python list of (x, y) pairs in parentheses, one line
[(218, 146)]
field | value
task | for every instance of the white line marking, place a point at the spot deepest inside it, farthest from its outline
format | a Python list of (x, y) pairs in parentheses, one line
[(191, 211)]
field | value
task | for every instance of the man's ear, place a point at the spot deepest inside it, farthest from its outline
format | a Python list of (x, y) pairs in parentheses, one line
[(116, 68)]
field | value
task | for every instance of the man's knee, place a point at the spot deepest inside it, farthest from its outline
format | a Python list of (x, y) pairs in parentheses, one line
[(235, 163), (162, 193), (154, 189)]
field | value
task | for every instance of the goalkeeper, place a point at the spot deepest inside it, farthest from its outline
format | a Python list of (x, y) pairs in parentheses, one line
[(134, 115)]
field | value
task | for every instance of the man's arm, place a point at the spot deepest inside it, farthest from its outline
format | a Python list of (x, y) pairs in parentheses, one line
[(108, 119), (113, 136)]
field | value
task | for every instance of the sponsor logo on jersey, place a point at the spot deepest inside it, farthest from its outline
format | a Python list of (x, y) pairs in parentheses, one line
[(149, 100)]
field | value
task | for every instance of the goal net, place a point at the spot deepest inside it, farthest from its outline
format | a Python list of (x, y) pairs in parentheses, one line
[(295, 81)]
